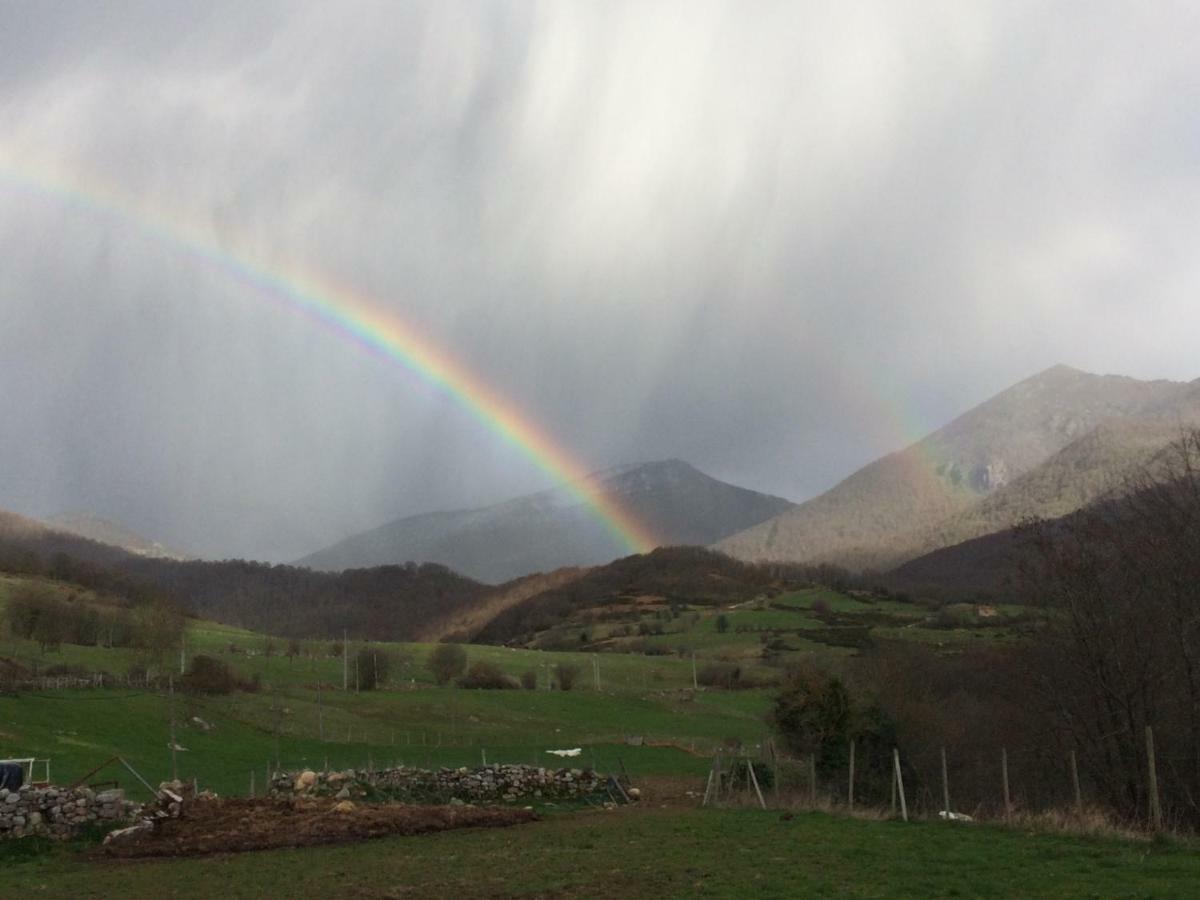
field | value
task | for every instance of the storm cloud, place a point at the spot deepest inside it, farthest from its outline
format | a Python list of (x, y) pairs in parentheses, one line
[(775, 240)]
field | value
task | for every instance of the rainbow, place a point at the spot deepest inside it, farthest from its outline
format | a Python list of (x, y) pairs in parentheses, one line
[(354, 317)]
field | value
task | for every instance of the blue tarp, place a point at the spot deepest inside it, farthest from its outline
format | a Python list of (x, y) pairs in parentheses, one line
[(12, 776)]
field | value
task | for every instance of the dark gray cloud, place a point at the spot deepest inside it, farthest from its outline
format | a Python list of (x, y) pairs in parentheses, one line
[(773, 239)]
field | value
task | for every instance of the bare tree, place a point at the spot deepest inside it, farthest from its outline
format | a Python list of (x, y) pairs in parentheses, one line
[(1120, 648)]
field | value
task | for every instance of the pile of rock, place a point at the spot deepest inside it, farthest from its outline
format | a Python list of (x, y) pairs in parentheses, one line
[(490, 784), (60, 812)]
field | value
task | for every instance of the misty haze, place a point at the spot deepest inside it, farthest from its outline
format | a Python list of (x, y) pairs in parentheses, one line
[(759, 399)]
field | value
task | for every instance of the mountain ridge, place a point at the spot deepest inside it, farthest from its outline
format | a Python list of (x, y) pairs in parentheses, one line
[(553, 529), (865, 520)]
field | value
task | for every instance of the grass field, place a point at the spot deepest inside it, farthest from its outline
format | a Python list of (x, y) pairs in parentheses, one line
[(290, 723), (79, 729), (654, 853)]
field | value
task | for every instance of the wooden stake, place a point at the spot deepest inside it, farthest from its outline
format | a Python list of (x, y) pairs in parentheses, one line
[(345, 661), (1075, 784), (812, 780), (1152, 771), (695, 683), (945, 786), (900, 783), (850, 789), (251, 784), (1004, 774)]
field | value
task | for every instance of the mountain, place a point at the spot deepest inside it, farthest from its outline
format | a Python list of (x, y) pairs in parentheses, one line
[(991, 563), (1089, 469), (981, 472), (105, 531), (554, 529), (385, 603), (29, 544)]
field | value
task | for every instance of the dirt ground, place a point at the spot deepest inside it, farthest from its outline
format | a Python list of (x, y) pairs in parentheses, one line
[(234, 825)]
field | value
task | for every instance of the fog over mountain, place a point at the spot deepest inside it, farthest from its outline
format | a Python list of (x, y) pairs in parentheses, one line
[(778, 241)]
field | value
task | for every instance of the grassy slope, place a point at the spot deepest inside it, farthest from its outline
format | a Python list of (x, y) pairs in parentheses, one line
[(657, 853)]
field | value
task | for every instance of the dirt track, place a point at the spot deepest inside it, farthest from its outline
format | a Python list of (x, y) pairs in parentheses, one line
[(231, 826)]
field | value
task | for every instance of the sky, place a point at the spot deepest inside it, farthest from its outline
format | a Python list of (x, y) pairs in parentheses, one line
[(775, 240)]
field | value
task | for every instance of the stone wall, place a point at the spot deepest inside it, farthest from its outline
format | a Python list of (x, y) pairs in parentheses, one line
[(61, 812), (490, 784)]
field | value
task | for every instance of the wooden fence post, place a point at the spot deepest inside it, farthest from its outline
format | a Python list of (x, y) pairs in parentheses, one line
[(1075, 784), (850, 789), (1004, 773), (812, 780), (900, 783), (174, 763), (945, 786), (1152, 771), (320, 713)]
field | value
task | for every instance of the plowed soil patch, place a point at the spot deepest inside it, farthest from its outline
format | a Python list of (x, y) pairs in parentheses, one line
[(231, 826)]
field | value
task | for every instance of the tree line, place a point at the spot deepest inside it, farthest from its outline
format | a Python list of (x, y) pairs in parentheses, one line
[(39, 612)]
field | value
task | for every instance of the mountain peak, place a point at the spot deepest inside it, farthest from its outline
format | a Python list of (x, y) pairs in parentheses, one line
[(1061, 370), (555, 528)]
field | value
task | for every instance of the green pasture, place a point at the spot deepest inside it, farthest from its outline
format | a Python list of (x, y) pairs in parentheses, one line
[(653, 853), (225, 738)]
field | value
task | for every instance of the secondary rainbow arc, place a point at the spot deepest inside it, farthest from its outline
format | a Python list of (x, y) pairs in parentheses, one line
[(350, 314)]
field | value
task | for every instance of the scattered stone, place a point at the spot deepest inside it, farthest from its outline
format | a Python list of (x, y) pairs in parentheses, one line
[(345, 806)]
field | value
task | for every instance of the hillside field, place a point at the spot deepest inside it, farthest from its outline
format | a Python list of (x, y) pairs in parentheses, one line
[(300, 716)]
